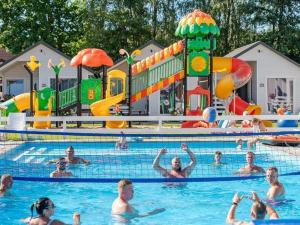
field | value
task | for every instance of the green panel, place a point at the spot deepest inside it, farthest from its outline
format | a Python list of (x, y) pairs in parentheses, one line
[(198, 64), (43, 97), (91, 90), (166, 69), (66, 97), (11, 107)]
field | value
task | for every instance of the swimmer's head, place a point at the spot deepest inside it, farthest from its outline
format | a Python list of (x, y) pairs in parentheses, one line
[(43, 206), (176, 164), (6, 181), (256, 121), (272, 175), (70, 151), (218, 156), (125, 189), (61, 164), (250, 157), (258, 210)]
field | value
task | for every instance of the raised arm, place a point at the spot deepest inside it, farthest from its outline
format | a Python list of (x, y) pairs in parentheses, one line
[(156, 164), (192, 156), (231, 214)]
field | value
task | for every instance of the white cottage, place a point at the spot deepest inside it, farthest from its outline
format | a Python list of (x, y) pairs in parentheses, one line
[(16, 80), (274, 80)]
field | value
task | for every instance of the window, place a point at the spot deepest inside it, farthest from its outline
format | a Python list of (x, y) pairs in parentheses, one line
[(15, 87), (280, 94), (116, 87), (63, 83)]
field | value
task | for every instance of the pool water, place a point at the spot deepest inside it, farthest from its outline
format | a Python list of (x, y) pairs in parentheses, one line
[(30, 159), (197, 203)]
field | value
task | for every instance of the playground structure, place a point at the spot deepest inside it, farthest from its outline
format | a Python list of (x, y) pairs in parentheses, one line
[(182, 59)]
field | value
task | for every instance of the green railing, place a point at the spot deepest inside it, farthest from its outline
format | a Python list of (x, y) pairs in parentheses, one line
[(157, 73), (166, 69), (67, 98)]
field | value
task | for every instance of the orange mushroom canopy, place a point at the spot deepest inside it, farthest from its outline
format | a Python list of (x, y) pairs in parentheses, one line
[(92, 57)]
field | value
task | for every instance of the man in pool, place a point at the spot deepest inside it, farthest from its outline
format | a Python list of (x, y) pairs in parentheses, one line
[(6, 184), (218, 156), (250, 168), (276, 191), (71, 159), (122, 144), (177, 171), (258, 210), (121, 209), (61, 169)]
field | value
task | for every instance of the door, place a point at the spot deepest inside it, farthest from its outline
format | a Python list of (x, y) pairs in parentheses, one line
[(280, 94)]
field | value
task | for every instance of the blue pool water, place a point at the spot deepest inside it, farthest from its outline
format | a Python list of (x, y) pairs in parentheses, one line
[(197, 203)]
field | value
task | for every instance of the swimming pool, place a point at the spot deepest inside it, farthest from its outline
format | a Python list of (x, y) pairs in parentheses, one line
[(197, 203), (29, 159)]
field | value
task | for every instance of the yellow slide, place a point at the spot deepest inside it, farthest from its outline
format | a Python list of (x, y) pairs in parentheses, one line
[(40, 113), (101, 108)]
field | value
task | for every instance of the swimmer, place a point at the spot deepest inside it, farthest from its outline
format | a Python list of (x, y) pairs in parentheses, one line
[(250, 168), (71, 159), (121, 208), (6, 184), (276, 191), (239, 143), (258, 125), (122, 142), (44, 207), (61, 169), (177, 171), (218, 156), (258, 210)]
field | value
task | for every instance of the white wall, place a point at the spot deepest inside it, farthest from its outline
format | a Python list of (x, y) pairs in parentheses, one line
[(272, 65), (43, 54)]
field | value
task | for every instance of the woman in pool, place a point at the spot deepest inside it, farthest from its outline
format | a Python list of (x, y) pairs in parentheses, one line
[(45, 209), (276, 191)]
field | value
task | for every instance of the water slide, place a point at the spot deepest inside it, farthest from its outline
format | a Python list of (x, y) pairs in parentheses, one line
[(22, 102), (101, 108), (235, 73)]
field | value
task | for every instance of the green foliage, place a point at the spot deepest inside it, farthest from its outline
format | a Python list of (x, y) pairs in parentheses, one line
[(113, 24)]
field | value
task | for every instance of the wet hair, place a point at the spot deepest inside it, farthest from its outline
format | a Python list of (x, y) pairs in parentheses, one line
[(250, 153), (40, 205), (70, 148), (256, 120), (259, 209), (273, 168), (218, 153), (123, 183)]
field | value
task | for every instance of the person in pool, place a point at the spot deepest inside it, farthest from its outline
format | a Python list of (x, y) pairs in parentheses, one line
[(218, 156), (61, 169), (121, 208), (122, 142), (177, 171), (250, 168), (258, 210), (71, 159), (276, 191), (44, 208), (6, 184)]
